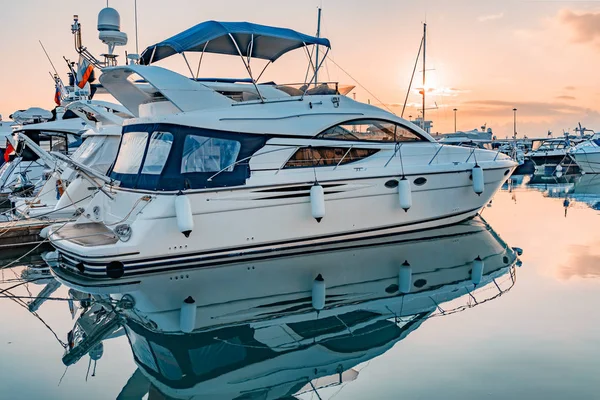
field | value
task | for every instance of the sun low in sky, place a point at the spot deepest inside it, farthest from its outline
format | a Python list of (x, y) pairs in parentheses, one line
[(484, 57)]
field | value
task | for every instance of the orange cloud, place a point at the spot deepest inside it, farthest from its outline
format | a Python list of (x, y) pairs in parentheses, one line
[(585, 26)]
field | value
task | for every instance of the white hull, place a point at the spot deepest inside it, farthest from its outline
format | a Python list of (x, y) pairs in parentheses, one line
[(589, 162), (437, 257), (252, 221)]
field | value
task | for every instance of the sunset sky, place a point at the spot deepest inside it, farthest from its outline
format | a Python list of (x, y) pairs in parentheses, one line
[(486, 57)]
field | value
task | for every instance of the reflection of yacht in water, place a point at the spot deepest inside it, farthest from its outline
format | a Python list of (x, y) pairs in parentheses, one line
[(587, 190), (579, 188), (266, 328), (582, 189)]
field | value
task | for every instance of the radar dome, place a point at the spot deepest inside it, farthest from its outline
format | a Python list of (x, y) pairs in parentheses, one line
[(109, 20)]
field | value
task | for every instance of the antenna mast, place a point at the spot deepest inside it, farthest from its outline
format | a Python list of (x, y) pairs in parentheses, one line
[(136, 27), (424, 71), (317, 50)]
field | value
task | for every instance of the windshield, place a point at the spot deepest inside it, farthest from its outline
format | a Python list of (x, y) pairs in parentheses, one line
[(5, 171), (158, 151), (131, 153), (172, 157), (546, 146), (204, 154), (98, 152)]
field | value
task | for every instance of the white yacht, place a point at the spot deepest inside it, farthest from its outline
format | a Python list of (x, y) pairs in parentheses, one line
[(271, 334), (587, 155), (67, 189), (26, 169), (552, 153), (214, 171)]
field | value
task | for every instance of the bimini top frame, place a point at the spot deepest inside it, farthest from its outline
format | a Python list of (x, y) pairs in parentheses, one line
[(245, 39)]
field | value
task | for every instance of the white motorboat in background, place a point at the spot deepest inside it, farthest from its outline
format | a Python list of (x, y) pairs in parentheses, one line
[(26, 168), (67, 189), (552, 153), (587, 155), (202, 176)]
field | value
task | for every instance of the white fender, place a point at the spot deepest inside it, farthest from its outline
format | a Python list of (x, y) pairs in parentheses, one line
[(187, 315), (404, 194), (183, 211), (317, 202), (405, 278), (478, 182), (318, 293), (477, 267), (44, 232)]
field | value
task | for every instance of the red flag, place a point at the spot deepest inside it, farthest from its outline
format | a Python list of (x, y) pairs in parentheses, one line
[(57, 96), (9, 150)]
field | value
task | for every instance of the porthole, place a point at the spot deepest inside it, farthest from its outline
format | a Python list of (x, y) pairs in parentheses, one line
[(505, 260), (115, 269), (420, 181), (419, 283), (393, 288), (391, 184), (506, 172)]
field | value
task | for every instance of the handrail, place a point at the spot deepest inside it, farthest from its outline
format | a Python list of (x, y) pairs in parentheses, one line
[(342, 159), (436, 153), (248, 158)]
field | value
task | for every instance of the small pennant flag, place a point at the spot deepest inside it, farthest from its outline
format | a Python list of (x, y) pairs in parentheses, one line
[(84, 72)]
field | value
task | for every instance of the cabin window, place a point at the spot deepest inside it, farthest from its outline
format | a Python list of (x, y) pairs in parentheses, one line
[(131, 153), (370, 130), (158, 152), (327, 156), (209, 154)]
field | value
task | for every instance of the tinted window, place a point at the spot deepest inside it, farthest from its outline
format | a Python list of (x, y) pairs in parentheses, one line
[(205, 154), (327, 156), (371, 130), (158, 151)]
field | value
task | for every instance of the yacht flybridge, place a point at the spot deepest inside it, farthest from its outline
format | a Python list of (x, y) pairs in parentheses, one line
[(229, 170)]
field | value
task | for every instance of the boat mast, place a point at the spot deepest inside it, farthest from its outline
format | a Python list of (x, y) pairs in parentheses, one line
[(317, 50), (424, 73)]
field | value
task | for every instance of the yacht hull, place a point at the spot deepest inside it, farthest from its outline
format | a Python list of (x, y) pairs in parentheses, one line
[(285, 277), (588, 162), (255, 222)]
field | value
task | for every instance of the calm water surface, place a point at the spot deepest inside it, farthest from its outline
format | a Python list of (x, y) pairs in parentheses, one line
[(529, 328)]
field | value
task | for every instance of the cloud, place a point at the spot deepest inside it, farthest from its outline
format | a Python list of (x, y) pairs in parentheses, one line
[(570, 88), (441, 91), (491, 17), (499, 108), (565, 97), (585, 263), (585, 27)]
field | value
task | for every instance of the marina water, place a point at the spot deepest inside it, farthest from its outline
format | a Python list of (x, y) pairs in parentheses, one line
[(528, 330)]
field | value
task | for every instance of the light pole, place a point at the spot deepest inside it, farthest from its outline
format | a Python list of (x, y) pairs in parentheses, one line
[(515, 123), (454, 119)]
